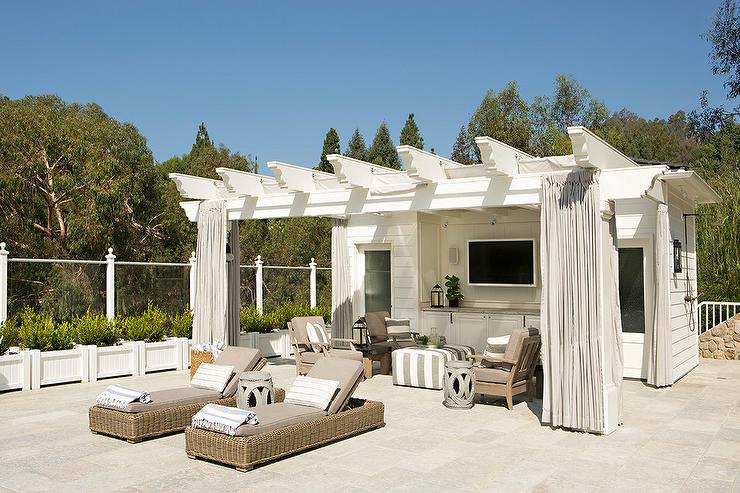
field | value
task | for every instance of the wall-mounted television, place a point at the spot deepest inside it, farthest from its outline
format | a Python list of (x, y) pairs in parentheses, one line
[(501, 262)]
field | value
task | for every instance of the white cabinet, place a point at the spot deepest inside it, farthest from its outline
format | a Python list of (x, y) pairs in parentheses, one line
[(532, 321), (500, 324), (441, 321), (471, 329)]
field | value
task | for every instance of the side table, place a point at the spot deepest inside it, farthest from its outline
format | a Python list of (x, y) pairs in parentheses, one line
[(459, 385), (255, 388)]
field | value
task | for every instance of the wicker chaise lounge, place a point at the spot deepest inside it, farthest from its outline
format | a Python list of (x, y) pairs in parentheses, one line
[(286, 429), (171, 410)]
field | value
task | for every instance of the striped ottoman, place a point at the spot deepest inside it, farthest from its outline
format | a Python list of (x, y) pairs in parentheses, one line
[(424, 367)]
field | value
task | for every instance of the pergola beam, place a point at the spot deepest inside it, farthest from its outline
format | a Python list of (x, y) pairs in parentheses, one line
[(356, 173), (500, 158), (425, 166), (299, 179), (195, 187), (246, 183), (591, 151)]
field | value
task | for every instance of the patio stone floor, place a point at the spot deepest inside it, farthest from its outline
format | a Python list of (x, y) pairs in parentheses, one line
[(686, 438)]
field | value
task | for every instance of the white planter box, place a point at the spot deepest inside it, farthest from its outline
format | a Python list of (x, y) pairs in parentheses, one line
[(270, 344), (164, 355), (15, 371), (114, 361), (51, 367)]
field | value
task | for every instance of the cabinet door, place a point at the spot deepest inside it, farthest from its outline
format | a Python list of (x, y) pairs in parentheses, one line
[(436, 320), (471, 329), (503, 325), (532, 321)]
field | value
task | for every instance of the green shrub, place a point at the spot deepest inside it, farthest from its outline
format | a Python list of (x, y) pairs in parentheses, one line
[(9, 335), (37, 331), (278, 317), (95, 329), (150, 326), (181, 325)]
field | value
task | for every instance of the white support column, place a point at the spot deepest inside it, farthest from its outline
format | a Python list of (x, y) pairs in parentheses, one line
[(193, 261), (313, 282), (110, 285), (3, 283), (258, 283)]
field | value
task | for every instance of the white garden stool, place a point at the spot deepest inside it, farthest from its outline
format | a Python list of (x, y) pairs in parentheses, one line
[(255, 389), (459, 385)]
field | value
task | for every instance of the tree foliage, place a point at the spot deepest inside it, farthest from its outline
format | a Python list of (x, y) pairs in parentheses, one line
[(410, 134), (356, 147), (462, 151), (382, 151), (331, 146)]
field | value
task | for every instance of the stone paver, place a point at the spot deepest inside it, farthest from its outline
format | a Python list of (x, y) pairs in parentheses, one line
[(686, 438)]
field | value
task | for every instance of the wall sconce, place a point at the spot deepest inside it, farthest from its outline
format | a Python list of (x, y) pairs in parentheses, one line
[(676, 256)]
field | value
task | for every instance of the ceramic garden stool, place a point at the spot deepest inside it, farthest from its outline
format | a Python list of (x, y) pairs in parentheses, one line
[(255, 388), (459, 385)]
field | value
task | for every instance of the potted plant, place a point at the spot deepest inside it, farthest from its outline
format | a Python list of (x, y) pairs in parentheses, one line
[(452, 283)]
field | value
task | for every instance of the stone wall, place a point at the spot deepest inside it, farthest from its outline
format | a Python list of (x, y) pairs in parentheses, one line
[(721, 341)]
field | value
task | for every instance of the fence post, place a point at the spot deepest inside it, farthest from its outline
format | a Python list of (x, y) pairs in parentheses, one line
[(3, 283), (193, 260), (110, 285), (258, 283), (313, 282)]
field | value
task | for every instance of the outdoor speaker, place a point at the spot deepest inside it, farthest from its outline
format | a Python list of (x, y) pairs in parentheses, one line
[(454, 258)]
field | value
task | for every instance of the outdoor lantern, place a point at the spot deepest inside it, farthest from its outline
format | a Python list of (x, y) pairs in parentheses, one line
[(676, 256), (359, 332), (437, 297)]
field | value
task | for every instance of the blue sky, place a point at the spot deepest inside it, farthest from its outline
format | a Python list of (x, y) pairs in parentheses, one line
[(270, 78)]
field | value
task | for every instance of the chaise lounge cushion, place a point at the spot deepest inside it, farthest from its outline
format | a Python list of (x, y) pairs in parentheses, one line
[(278, 415), (242, 359), (310, 357), (162, 399), (347, 372)]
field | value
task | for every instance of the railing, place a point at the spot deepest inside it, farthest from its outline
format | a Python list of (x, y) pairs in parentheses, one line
[(713, 312), (94, 283)]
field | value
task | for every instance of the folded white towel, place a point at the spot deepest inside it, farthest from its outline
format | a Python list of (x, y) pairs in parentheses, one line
[(223, 419), (117, 397)]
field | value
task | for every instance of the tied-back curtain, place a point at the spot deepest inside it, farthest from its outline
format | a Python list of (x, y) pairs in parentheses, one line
[(233, 300), (571, 346), (209, 314), (660, 352), (341, 290)]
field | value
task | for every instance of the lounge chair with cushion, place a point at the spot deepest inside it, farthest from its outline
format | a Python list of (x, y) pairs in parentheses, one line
[(307, 352), (171, 410), (287, 428), (379, 337), (513, 373)]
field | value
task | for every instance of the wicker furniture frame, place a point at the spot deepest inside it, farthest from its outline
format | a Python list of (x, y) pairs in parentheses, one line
[(247, 452), (135, 427)]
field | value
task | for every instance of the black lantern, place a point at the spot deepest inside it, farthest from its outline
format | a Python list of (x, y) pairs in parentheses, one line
[(437, 297), (676, 256), (359, 332)]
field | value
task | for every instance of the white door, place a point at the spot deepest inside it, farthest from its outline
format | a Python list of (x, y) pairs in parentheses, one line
[(635, 301), (471, 329)]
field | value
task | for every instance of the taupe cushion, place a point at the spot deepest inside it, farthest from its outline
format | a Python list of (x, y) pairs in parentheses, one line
[(491, 375), (278, 415), (310, 357), (242, 359), (515, 341), (376, 329), (162, 399), (347, 372), (299, 328)]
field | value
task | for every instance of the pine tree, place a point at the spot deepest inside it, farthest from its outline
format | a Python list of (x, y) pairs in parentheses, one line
[(461, 150), (202, 140), (410, 135), (331, 146), (356, 147), (382, 151)]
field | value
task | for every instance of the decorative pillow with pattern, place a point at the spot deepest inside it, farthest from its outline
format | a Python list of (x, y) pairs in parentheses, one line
[(399, 329), (312, 392), (316, 333), (212, 377)]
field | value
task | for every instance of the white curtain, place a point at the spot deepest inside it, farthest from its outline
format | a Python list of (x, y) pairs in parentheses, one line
[(234, 285), (570, 261), (209, 314), (617, 361), (660, 352), (341, 289)]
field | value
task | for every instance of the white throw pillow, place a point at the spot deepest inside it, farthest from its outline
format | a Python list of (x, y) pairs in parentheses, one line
[(399, 328), (312, 392), (212, 377), (316, 333)]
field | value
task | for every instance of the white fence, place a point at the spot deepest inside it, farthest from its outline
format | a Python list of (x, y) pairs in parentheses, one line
[(111, 264), (713, 312)]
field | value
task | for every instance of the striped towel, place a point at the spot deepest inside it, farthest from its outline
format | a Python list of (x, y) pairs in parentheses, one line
[(117, 397), (223, 419)]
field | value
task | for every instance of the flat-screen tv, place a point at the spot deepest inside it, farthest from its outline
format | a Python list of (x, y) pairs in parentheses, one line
[(501, 262)]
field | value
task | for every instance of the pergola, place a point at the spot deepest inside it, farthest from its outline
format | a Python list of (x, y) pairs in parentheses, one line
[(583, 353)]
